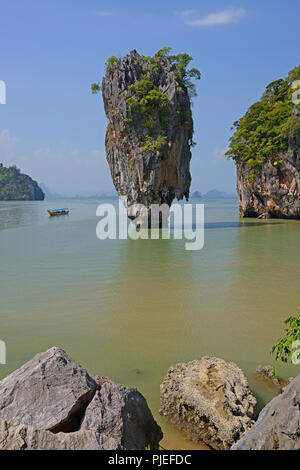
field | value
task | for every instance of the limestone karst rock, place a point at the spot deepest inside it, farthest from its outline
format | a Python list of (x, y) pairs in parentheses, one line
[(278, 425), (137, 428), (52, 402), (15, 436), (150, 129), (47, 392), (266, 150), (210, 400)]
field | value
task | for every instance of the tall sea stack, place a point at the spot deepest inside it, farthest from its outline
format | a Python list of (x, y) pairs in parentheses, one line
[(150, 127), (266, 150)]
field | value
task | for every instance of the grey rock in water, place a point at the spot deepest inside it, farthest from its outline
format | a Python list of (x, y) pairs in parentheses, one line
[(210, 400), (53, 403), (47, 392), (123, 414), (147, 176), (278, 425)]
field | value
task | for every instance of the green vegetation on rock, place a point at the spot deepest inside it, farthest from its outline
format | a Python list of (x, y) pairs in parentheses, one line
[(16, 186), (289, 344), (268, 128), (146, 105)]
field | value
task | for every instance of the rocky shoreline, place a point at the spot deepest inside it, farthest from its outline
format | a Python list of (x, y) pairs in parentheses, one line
[(52, 403)]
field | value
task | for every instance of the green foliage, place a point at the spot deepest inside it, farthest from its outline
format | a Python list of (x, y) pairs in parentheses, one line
[(16, 186), (283, 349), (186, 77), (164, 119), (143, 106), (268, 127), (146, 99), (150, 143), (95, 88), (111, 61), (147, 107), (181, 61)]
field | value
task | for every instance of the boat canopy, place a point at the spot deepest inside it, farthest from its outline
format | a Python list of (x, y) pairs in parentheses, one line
[(59, 210)]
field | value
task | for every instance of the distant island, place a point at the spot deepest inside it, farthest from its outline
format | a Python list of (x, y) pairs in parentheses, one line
[(15, 186), (214, 193)]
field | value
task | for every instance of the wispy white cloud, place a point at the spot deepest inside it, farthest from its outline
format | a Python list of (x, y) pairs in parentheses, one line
[(232, 15)]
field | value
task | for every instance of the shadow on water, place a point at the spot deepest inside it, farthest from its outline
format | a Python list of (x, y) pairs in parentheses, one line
[(214, 225), (221, 225)]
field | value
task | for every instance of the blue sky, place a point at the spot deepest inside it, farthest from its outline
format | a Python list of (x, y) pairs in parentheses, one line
[(52, 50)]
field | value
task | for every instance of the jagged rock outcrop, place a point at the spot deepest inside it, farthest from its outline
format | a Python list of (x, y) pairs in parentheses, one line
[(275, 191), (266, 150), (15, 186), (148, 136), (210, 400), (278, 425), (53, 403)]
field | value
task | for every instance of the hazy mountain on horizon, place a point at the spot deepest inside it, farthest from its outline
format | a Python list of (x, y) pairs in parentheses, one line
[(214, 193)]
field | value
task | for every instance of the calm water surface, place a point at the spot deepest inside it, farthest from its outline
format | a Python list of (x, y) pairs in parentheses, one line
[(122, 307)]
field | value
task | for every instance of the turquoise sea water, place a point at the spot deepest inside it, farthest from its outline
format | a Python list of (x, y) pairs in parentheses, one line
[(130, 309)]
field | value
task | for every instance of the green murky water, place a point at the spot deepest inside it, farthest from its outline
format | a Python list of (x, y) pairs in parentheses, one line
[(119, 306)]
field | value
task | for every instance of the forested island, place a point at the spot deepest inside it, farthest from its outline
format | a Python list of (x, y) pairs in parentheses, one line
[(16, 186), (266, 150)]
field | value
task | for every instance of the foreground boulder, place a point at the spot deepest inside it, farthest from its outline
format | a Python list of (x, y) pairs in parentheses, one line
[(21, 437), (53, 403), (123, 414), (278, 425), (210, 400), (49, 392)]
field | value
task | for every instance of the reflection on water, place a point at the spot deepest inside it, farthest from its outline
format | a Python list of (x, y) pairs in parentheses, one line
[(119, 307)]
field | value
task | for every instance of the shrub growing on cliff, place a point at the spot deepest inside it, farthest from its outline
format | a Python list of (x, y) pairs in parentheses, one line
[(268, 127), (147, 105), (111, 61), (95, 88), (289, 344)]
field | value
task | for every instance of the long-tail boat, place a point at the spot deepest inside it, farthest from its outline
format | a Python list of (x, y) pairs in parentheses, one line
[(54, 212)]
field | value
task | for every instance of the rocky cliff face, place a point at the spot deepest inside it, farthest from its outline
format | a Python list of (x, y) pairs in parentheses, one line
[(266, 150), (275, 191), (149, 132)]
